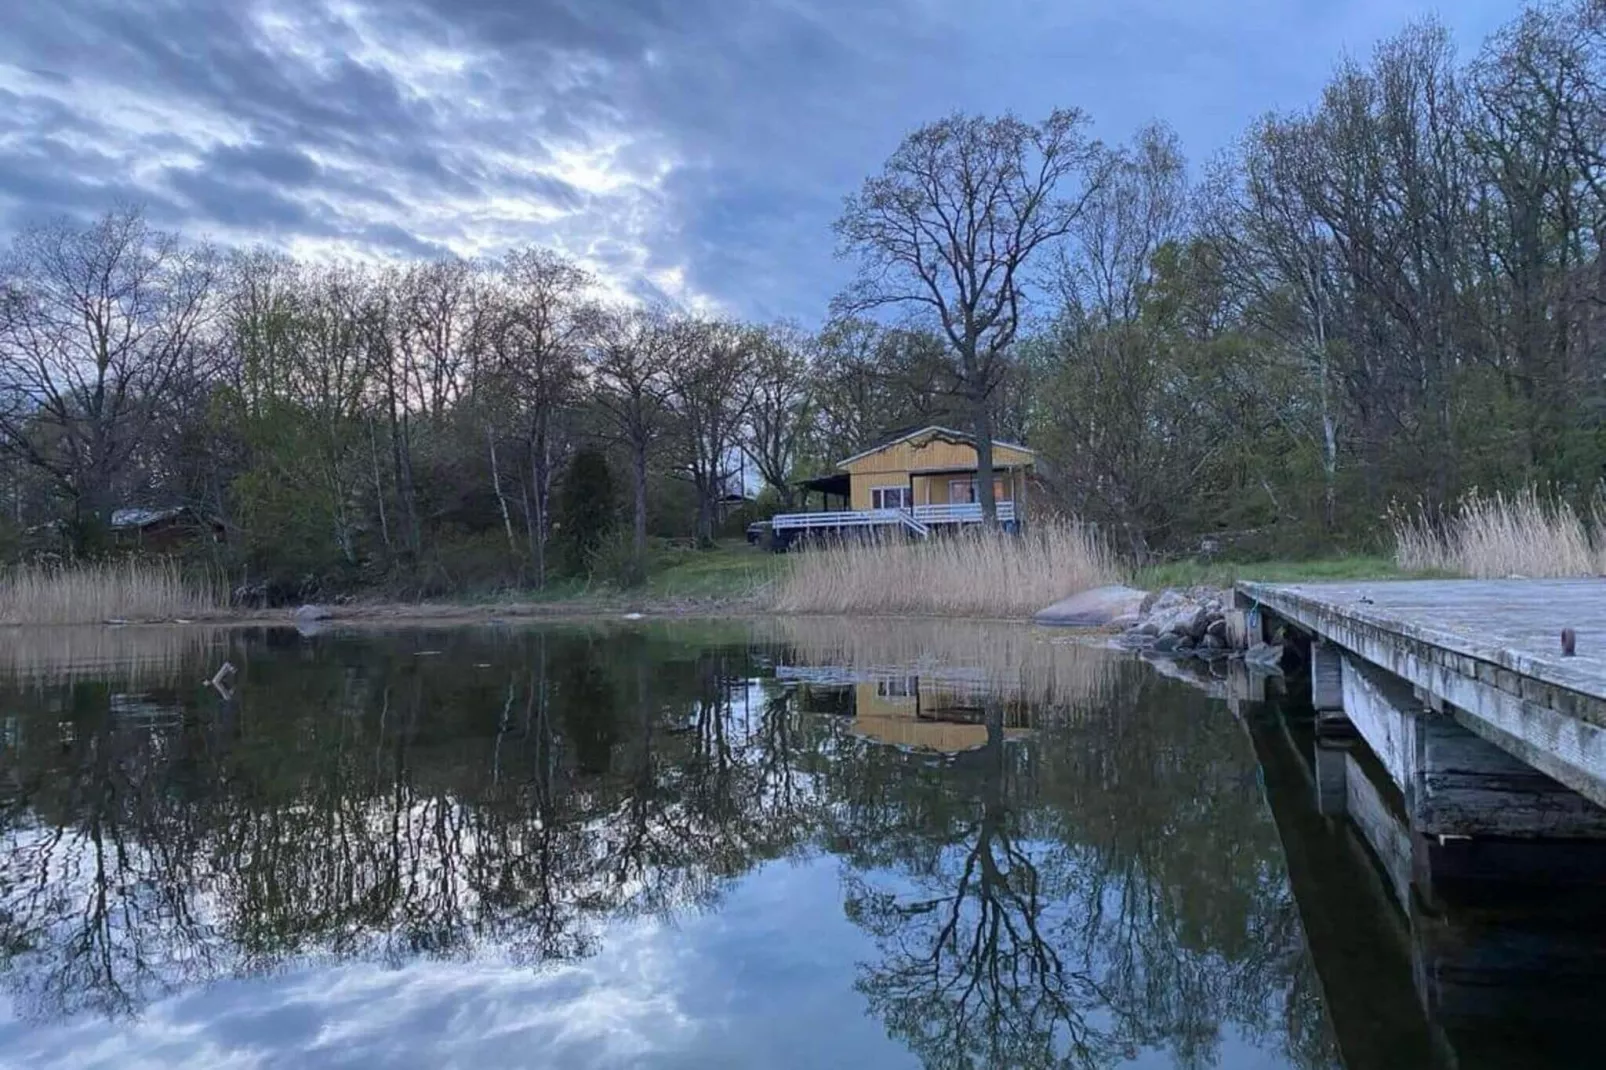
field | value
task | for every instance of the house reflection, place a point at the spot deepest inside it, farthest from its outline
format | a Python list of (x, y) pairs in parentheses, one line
[(940, 711)]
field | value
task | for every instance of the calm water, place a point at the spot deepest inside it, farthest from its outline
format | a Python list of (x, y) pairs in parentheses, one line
[(801, 844)]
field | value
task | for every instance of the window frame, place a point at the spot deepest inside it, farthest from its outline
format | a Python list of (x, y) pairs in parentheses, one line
[(906, 496)]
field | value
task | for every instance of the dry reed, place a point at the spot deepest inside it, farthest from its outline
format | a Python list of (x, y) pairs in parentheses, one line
[(1495, 537), (88, 594), (975, 574)]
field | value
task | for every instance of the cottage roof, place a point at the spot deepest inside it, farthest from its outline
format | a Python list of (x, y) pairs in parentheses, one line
[(935, 431)]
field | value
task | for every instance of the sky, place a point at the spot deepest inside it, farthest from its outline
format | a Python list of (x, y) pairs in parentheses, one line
[(695, 151)]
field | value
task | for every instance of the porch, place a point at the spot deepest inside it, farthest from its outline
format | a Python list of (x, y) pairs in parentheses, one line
[(917, 520)]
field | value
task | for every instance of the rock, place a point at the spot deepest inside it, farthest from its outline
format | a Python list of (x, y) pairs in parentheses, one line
[(1150, 628), (1126, 621), (1165, 601), (309, 613), (1212, 641), (1268, 656), (1183, 621), (1218, 629), (1185, 643), (1166, 644), (1096, 608)]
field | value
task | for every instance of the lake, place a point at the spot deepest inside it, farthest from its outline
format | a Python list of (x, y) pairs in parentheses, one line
[(796, 843)]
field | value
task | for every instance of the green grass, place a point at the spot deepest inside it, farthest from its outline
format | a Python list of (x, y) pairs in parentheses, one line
[(1227, 573), (729, 570)]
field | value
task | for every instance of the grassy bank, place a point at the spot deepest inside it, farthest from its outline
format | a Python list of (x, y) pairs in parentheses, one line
[(1227, 573), (976, 574)]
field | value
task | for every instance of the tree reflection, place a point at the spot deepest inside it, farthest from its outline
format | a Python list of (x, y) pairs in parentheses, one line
[(1058, 900), (968, 977), (1057, 919)]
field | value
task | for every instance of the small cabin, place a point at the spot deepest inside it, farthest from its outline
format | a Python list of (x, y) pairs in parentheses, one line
[(916, 482), (163, 530)]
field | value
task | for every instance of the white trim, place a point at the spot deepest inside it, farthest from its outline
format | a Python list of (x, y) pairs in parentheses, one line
[(971, 439)]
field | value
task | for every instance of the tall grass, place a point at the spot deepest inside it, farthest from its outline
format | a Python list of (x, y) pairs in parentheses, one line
[(89, 594), (974, 574), (1493, 537)]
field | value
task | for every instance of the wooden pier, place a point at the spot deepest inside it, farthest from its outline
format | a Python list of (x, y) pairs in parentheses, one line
[(1484, 656), (1452, 760)]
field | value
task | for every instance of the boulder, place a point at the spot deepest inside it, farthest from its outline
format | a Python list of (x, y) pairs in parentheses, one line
[(1218, 629), (1166, 644), (1097, 608), (1212, 641), (1164, 602), (1183, 621), (311, 613)]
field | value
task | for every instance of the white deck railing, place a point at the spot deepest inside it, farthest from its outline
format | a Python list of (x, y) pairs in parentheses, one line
[(917, 519), (960, 514)]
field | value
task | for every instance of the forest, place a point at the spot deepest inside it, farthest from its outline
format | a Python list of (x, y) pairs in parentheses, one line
[(1388, 300)]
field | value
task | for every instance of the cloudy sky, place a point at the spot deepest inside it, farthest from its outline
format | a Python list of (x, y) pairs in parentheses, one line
[(694, 148)]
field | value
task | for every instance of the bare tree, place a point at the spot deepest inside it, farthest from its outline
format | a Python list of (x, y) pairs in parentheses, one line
[(97, 324), (711, 390), (631, 353), (781, 416), (951, 225), (539, 334)]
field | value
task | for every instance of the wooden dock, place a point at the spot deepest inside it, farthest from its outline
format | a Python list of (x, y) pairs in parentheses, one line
[(1486, 653)]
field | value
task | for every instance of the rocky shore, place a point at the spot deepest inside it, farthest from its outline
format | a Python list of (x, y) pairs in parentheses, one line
[(1190, 623)]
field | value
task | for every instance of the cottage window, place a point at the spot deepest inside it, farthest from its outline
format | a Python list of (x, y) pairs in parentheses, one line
[(904, 687), (961, 491), (890, 498)]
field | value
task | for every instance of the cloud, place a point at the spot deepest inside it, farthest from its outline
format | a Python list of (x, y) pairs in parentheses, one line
[(766, 981), (694, 149)]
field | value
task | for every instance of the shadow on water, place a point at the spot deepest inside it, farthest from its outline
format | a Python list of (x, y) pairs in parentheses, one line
[(922, 844)]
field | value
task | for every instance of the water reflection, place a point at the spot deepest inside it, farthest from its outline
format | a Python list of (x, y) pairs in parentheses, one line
[(1000, 850)]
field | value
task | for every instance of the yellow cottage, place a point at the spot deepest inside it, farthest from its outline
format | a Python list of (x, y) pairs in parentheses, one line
[(917, 482)]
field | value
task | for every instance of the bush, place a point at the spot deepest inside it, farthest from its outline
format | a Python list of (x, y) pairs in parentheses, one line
[(585, 511)]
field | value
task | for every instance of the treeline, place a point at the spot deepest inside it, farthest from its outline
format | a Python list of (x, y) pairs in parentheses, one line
[(1393, 296), (445, 424)]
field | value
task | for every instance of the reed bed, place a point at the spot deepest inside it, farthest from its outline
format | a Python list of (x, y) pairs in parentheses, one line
[(1493, 537), (973, 574), (93, 594)]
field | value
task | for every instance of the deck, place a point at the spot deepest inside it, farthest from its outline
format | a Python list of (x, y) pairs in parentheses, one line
[(1489, 652), (918, 520)]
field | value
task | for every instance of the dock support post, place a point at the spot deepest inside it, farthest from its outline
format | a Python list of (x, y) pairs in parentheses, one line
[(1332, 789)]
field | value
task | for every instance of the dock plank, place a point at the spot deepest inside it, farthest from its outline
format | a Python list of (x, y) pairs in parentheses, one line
[(1490, 649)]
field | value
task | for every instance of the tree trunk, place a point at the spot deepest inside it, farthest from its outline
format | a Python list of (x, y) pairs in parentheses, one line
[(983, 430), (501, 499), (379, 489), (541, 483), (639, 518)]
